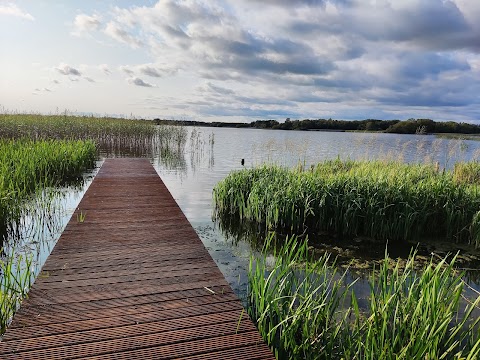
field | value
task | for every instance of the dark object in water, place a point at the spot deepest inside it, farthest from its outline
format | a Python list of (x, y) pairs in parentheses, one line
[(243, 162)]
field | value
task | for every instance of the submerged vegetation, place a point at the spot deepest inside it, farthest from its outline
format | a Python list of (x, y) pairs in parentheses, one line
[(382, 200), (304, 311)]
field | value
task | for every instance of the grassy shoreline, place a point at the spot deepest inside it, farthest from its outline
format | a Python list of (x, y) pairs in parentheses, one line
[(28, 166), (112, 136)]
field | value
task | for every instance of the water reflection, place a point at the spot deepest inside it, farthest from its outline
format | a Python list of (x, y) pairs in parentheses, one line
[(191, 184), (33, 235)]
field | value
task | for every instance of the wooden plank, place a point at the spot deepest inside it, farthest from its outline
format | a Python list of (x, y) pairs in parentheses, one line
[(132, 280)]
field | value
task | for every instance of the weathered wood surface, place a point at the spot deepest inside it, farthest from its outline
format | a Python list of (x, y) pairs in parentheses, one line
[(132, 281)]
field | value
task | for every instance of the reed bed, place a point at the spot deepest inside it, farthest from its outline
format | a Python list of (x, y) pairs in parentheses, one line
[(304, 310), (112, 136), (383, 200), (27, 166)]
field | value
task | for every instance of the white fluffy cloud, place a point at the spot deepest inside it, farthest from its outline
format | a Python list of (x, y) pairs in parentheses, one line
[(11, 9), (118, 33), (84, 24)]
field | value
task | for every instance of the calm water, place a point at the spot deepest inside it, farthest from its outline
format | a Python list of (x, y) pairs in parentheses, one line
[(192, 178), (210, 155)]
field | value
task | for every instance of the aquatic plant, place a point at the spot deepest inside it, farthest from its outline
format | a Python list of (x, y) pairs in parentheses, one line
[(298, 302), (383, 200), (303, 311), (27, 166), (467, 172), (15, 281), (112, 136)]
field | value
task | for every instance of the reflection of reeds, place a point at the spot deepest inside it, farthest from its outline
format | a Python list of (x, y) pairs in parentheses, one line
[(304, 311), (182, 144)]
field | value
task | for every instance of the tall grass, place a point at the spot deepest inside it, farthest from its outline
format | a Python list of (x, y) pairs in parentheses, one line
[(27, 166), (113, 136), (297, 303), (304, 312), (384, 200)]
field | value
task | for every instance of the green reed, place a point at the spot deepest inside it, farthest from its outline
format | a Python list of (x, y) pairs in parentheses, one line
[(384, 200), (297, 302), (15, 281), (304, 309), (27, 166), (113, 136), (468, 173)]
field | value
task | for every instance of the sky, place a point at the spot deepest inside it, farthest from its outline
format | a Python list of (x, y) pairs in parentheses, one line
[(242, 60)]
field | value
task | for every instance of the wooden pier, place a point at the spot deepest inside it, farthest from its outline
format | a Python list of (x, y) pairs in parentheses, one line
[(130, 279)]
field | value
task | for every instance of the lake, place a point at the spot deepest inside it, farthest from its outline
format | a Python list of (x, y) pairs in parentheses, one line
[(212, 153), (193, 177)]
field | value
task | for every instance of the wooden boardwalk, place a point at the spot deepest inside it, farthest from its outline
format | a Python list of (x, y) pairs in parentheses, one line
[(132, 281)]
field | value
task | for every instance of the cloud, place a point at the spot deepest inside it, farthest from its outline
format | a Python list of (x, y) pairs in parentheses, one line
[(127, 70), (10, 9), (37, 91), (150, 71), (139, 82), (154, 70), (311, 57), (84, 24), (116, 32), (105, 68), (292, 3), (65, 69), (218, 89), (428, 24), (89, 79)]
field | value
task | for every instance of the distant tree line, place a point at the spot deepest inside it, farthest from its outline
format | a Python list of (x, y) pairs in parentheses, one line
[(410, 126)]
